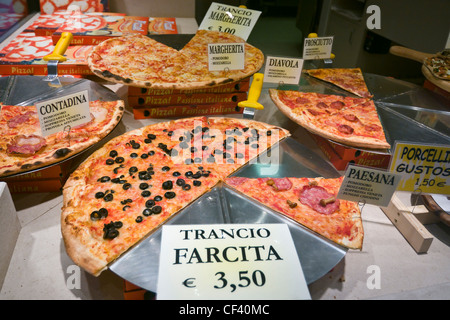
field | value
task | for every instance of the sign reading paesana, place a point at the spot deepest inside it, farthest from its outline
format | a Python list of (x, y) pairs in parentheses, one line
[(230, 19), (424, 168), (226, 56), (63, 112), (283, 70), (229, 261), (368, 185), (317, 48)]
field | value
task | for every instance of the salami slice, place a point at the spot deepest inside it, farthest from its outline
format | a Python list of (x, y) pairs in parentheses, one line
[(318, 198)]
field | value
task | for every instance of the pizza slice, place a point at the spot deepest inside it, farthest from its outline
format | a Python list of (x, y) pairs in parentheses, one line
[(349, 79), (310, 202), (350, 121)]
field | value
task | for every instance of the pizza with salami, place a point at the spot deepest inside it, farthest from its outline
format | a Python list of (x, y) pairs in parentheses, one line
[(349, 79), (347, 120), (140, 61), (311, 202), (137, 181), (23, 148)]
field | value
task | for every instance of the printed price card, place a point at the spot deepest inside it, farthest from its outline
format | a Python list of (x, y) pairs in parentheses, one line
[(368, 185), (63, 112), (283, 70), (230, 19), (229, 261), (226, 56), (317, 48), (424, 168)]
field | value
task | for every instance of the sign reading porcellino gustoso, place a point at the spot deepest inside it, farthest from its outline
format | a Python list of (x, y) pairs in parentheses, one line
[(63, 112), (229, 261)]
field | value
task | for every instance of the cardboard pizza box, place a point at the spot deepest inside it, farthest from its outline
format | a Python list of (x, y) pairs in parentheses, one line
[(180, 111), (24, 56), (91, 29), (185, 99), (50, 6), (340, 158), (162, 26), (239, 86)]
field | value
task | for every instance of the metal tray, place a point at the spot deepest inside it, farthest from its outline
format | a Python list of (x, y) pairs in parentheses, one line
[(225, 205)]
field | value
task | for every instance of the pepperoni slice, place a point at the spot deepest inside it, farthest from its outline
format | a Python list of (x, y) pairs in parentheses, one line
[(236, 181), (280, 184), (337, 105), (322, 105), (345, 129), (302, 100), (350, 117), (312, 196)]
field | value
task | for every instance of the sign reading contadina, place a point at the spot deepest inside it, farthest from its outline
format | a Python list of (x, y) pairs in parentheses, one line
[(63, 113)]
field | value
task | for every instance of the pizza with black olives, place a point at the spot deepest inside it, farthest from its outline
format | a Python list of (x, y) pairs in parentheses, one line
[(135, 182)]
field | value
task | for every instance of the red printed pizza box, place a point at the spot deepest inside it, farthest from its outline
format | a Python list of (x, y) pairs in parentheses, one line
[(363, 158), (91, 29), (50, 6), (239, 86), (7, 20), (47, 24), (186, 111), (35, 186), (25, 57), (185, 99), (162, 26), (14, 6), (349, 153)]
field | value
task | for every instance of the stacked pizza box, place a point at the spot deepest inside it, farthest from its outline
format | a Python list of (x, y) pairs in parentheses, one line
[(50, 179), (340, 156), (150, 103)]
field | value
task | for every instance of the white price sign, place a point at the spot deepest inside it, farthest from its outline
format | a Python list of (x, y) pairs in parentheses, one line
[(283, 70), (229, 261), (368, 185), (317, 48), (226, 56), (230, 19), (63, 112)]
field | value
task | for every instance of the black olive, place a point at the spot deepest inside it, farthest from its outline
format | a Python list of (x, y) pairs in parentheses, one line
[(126, 186), (115, 180), (180, 182), (156, 210), (104, 179), (135, 145), (113, 153), (147, 212), (188, 174), (157, 198), (151, 136), (143, 185), (150, 153), (119, 160), (149, 203), (99, 195), (139, 219), (111, 234), (176, 174), (197, 183), (108, 197), (167, 185), (133, 155), (144, 156), (133, 170), (95, 216), (117, 224), (170, 194), (165, 168), (187, 187), (146, 193), (103, 213), (184, 145), (196, 175), (125, 208), (109, 161)]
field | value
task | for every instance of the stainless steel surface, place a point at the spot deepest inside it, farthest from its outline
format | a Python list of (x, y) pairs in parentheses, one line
[(224, 205), (52, 77)]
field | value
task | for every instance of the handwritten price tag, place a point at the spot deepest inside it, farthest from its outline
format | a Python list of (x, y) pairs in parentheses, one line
[(229, 261)]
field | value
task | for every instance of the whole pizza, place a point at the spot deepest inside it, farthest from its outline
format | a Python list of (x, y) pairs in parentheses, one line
[(347, 120), (140, 61), (137, 181), (23, 148)]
